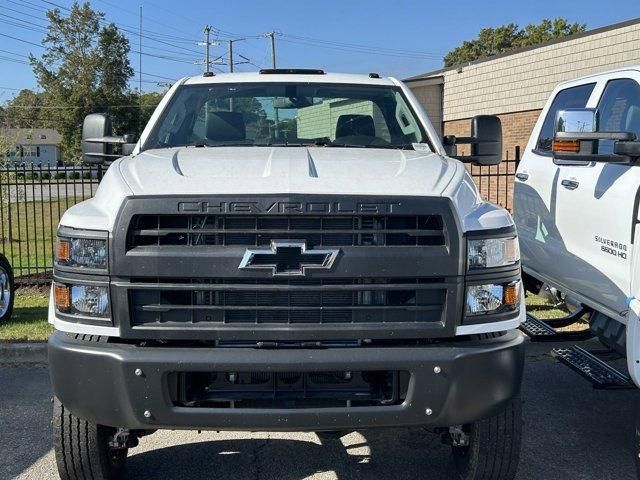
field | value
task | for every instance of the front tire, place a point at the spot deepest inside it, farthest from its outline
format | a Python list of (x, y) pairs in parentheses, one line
[(7, 289), (493, 448), (82, 448), (637, 442)]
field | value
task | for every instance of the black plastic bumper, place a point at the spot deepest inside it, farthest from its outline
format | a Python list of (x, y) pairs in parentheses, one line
[(98, 382)]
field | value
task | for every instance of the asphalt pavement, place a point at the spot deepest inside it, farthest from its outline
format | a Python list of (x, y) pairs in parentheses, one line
[(571, 432)]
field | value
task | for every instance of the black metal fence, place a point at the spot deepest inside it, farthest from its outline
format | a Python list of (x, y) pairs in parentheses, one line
[(496, 182), (33, 198)]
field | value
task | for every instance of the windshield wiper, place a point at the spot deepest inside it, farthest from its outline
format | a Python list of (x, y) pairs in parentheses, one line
[(407, 146), (292, 144), (222, 144)]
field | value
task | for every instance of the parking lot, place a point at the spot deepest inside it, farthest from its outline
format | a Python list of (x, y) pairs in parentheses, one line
[(571, 432)]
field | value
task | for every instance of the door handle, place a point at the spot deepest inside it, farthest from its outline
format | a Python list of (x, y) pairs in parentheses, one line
[(570, 183), (522, 176)]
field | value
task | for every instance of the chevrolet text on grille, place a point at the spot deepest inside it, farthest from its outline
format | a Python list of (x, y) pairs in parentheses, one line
[(288, 207)]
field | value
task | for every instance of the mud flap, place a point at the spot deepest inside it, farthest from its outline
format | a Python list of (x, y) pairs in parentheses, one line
[(633, 341)]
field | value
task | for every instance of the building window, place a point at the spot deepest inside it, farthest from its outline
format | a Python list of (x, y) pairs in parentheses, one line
[(574, 97), (30, 151)]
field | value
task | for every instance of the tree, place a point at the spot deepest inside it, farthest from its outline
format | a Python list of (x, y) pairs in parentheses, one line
[(24, 110), (84, 69), (493, 41)]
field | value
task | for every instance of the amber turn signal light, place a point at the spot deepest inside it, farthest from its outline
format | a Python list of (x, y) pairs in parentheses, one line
[(570, 146), (63, 250), (62, 296), (511, 295)]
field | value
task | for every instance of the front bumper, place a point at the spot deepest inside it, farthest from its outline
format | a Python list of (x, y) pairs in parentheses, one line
[(97, 382)]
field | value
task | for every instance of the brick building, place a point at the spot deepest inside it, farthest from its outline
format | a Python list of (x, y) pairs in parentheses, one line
[(515, 86)]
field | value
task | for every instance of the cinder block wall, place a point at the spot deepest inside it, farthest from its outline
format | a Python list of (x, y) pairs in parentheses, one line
[(524, 80)]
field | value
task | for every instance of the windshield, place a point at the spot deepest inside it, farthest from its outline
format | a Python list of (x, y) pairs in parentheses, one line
[(287, 114)]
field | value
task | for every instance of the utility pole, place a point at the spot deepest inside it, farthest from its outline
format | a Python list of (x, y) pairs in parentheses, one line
[(207, 44), (272, 35), (140, 75), (230, 61)]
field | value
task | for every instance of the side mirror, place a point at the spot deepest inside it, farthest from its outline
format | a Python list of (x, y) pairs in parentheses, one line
[(98, 140), (485, 141), (576, 137)]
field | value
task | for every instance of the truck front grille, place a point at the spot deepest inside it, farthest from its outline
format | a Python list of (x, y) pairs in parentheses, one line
[(179, 268), (336, 231), (199, 302)]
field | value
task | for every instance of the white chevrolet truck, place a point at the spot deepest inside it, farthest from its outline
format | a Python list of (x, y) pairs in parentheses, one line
[(286, 250), (577, 198)]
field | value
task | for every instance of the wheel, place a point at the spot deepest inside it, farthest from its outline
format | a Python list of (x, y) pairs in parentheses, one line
[(6, 289), (637, 449), (489, 449), (82, 448)]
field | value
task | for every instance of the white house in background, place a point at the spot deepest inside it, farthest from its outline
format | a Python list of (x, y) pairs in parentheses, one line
[(32, 145)]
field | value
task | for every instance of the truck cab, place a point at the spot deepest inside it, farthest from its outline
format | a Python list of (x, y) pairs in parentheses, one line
[(576, 207), (576, 212), (287, 250)]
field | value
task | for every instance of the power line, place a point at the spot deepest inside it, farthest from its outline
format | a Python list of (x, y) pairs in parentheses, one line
[(71, 107), (363, 47), (21, 40), (106, 22), (21, 20), (14, 60), (149, 19), (162, 77), (14, 53), (361, 51), (127, 28), (103, 22)]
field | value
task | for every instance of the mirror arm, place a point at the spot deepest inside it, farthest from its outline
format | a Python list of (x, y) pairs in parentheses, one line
[(627, 149), (476, 159), (103, 155), (624, 136)]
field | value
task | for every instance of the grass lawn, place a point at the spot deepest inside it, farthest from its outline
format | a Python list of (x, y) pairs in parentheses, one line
[(29, 320), (543, 309)]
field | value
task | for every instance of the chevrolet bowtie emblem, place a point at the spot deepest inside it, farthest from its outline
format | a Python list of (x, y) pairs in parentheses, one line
[(287, 258)]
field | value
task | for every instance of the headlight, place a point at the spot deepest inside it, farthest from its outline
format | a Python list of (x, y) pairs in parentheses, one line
[(492, 252), (82, 300), (492, 298), (89, 253)]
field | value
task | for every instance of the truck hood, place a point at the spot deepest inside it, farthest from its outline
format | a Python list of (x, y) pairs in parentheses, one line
[(282, 170)]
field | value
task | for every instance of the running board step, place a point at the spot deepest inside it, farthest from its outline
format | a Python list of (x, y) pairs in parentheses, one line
[(540, 331), (598, 372)]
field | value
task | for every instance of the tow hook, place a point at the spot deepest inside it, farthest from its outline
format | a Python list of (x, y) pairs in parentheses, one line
[(123, 439), (454, 436)]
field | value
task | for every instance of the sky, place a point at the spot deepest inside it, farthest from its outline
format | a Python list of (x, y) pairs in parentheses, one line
[(393, 37)]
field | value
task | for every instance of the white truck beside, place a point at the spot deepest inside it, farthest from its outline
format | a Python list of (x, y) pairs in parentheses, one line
[(286, 250), (576, 207)]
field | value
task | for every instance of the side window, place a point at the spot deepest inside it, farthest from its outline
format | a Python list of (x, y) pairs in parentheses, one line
[(574, 97), (619, 110)]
